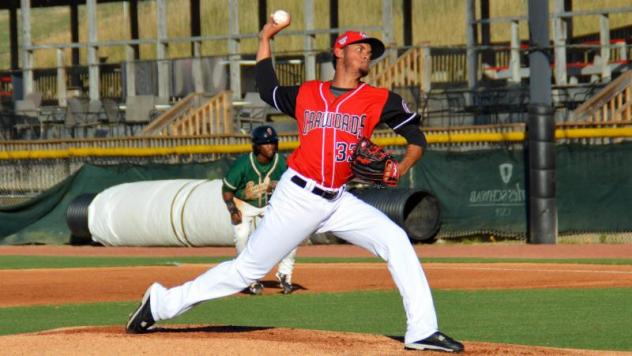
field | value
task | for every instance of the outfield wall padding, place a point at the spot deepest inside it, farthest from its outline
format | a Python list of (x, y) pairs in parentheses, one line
[(479, 191)]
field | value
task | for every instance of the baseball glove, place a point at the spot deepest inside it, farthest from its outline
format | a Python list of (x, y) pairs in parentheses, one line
[(371, 164)]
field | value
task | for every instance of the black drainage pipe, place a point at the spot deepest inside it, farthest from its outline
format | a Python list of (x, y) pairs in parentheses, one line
[(77, 219), (416, 211)]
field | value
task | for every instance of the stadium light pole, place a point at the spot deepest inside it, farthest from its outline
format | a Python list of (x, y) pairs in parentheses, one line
[(542, 212)]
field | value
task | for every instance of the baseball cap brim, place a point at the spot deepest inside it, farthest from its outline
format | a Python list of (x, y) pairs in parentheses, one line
[(377, 47)]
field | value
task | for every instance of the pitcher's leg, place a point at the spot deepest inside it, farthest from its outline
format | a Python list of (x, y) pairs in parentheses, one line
[(365, 226), (219, 281), (277, 235)]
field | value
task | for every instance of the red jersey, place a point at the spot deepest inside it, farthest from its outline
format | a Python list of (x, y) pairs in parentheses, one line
[(330, 127)]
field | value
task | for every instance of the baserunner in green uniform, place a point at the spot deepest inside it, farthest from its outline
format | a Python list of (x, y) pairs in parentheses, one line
[(247, 187)]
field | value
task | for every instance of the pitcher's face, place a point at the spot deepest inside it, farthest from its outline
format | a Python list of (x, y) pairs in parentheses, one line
[(357, 57)]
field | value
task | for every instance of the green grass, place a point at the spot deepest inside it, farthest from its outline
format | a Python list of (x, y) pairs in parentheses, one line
[(598, 319), (23, 262)]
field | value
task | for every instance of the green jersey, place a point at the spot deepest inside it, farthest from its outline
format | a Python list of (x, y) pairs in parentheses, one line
[(250, 180)]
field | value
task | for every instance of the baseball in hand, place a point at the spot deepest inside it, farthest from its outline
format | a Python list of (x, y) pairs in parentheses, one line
[(281, 17)]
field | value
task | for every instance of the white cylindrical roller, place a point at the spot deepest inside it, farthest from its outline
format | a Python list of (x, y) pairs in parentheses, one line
[(181, 212)]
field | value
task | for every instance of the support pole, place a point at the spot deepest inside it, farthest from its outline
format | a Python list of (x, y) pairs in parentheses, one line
[(387, 25), (27, 53), (93, 59), (263, 13), (13, 34), (198, 80), (470, 38), (514, 62), (133, 26), (310, 56), (542, 211), (604, 41), (233, 49), (130, 70), (488, 55), (161, 51), (426, 76), (75, 60), (333, 21), (61, 78), (407, 22), (559, 40), (196, 23)]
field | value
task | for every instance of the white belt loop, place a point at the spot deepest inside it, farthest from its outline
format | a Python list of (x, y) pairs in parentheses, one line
[(310, 185), (341, 191)]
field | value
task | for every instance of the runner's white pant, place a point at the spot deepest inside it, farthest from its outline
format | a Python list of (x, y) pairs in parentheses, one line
[(293, 214), (250, 219)]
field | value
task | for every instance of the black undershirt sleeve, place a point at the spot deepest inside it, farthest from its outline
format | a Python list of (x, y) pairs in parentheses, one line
[(404, 122), (281, 98)]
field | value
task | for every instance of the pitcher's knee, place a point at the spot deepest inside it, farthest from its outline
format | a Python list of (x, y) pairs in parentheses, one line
[(250, 272), (398, 235), (396, 240)]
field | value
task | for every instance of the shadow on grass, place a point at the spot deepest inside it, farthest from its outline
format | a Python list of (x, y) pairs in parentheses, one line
[(274, 285)]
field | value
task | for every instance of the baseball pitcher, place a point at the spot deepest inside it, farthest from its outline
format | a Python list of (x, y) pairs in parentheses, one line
[(311, 196), (246, 189)]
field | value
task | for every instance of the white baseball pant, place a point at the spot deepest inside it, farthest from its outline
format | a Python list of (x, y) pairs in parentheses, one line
[(293, 214), (250, 219)]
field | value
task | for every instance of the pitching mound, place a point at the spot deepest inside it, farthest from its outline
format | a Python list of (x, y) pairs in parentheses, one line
[(233, 340)]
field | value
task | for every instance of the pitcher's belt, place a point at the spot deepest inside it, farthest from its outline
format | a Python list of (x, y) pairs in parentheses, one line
[(327, 194)]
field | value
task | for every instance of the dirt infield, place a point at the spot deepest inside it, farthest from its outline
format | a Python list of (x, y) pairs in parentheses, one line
[(82, 285), (63, 286)]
